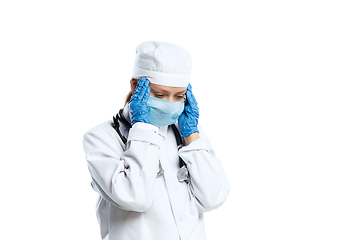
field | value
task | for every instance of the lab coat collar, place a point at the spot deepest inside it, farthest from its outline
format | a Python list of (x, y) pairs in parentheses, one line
[(163, 131), (126, 112)]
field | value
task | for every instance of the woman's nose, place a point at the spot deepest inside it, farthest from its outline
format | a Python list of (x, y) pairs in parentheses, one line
[(169, 99)]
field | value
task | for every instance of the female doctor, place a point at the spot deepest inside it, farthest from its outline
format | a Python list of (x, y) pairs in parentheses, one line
[(144, 192)]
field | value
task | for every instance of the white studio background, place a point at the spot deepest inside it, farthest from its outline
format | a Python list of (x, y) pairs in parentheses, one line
[(278, 89)]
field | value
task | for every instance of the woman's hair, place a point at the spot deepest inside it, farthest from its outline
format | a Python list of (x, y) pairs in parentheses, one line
[(128, 97)]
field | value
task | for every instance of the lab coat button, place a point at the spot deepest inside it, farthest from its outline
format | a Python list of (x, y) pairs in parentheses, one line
[(172, 191), (161, 171)]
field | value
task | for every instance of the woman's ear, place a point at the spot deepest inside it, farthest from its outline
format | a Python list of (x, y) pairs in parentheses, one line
[(133, 83)]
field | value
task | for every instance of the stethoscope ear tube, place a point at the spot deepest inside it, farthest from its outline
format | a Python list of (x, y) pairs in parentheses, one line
[(123, 119), (116, 127), (183, 173), (178, 143)]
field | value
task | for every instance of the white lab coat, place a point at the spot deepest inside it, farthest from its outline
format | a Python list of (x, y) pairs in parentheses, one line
[(136, 204)]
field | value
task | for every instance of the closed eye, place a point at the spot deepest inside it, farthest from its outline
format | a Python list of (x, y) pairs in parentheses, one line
[(181, 96)]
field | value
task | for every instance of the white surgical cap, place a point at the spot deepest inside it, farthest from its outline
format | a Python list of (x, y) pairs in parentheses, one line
[(162, 63)]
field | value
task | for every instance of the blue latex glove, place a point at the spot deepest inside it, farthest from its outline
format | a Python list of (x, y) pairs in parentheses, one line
[(138, 109), (188, 120)]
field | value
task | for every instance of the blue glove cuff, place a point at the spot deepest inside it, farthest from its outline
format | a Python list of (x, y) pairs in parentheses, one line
[(188, 132)]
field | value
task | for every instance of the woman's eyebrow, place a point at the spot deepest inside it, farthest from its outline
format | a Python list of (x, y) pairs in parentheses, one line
[(160, 90), (155, 89), (165, 91)]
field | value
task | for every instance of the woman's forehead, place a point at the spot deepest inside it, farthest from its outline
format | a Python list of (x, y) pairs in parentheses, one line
[(157, 87)]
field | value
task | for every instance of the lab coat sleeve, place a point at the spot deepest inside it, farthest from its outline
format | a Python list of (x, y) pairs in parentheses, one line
[(208, 181), (124, 177)]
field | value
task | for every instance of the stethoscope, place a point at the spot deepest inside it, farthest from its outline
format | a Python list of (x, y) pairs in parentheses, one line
[(183, 173)]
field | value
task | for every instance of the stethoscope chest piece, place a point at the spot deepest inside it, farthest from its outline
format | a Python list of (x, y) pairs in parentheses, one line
[(183, 174)]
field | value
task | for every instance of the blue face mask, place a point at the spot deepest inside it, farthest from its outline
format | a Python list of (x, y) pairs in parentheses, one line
[(163, 113)]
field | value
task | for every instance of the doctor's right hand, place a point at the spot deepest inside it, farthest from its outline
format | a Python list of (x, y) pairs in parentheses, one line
[(138, 109)]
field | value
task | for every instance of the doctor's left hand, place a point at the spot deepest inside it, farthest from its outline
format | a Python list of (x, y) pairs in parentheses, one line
[(138, 109), (188, 120)]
